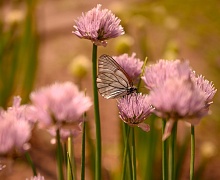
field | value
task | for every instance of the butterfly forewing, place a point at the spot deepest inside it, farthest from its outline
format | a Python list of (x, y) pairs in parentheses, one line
[(112, 80)]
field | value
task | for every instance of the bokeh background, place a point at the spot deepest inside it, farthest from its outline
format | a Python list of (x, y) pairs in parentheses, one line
[(37, 48)]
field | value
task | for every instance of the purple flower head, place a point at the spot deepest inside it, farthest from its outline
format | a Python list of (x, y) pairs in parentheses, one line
[(15, 129), (59, 103), (177, 99), (38, 177), (131, 65), (98, 25), (66, 132), (24, 112), (134, 109), (205, 86), (156, 74)]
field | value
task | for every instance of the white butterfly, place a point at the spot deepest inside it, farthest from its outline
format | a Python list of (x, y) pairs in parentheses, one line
[(112, 80)]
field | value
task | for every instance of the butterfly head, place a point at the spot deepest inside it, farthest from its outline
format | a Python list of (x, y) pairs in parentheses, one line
[(132, 90)]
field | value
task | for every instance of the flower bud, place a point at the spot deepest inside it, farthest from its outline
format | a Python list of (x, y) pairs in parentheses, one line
[(79, 66)]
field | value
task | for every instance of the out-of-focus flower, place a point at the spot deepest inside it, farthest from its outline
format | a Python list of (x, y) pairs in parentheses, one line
[(14, 16), (172, 50), (177, 99), (134, 109), (38, 177), (123, 44), (66, 132), (176, 92), (205, 86), (98, 26), (155, 75), (2, 166), (24, 112), (131, 65), (59, 103), (15, 128), (79, 66), (208, 150), (171, 22)]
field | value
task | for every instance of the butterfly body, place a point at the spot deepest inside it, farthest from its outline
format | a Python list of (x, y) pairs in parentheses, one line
[(112, 80)]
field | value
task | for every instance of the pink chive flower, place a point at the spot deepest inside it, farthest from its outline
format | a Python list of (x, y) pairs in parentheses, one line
[(134, 109), (131, 65), (38, 177), (98, 26), (15, 128), (176, 92), (59, 103), (178, 99), (205, 86), (155, 75), (66, 132), (24, 112)]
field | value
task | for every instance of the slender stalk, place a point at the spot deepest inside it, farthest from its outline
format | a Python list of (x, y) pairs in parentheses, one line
[(83, 152), (172, 152), (97, 116), (125, 153), (164, 154), (91, 150), (70, 161), (28, 157), (142, 73), (192, 161), (59, 156), (181, 156), (133, 156)]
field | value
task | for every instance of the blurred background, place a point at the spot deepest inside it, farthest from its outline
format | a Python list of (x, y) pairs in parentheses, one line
[(37, 48)]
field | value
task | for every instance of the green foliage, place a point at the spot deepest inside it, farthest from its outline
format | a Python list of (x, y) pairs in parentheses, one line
[(18, 53)]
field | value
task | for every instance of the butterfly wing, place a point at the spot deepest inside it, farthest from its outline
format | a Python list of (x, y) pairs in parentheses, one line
[(112, 80)]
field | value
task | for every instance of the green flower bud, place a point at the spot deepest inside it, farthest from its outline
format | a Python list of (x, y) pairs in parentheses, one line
[(79, 66), (124, 44)]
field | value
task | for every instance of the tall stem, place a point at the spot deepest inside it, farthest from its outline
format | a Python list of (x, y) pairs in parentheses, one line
[(59, 156), (164, 153), (133, 156), (70, 160), (97, 116), (28, 157), (125, 153), (83, 152), (172, 152), (192, 161)]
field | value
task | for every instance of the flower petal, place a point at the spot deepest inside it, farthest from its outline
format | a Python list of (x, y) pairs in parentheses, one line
[(168, 129), (145, 127)]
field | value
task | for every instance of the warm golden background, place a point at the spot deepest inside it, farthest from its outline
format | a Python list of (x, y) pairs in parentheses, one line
[(37, 48)]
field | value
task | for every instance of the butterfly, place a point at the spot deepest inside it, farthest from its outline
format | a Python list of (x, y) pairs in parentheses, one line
[(113, 81)]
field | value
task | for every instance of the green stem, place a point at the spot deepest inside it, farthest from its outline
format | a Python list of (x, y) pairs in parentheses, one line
[(142, 73), (70, 161), (97, 117), (125, 153), (59, 156), (133, 156), (28, 157), (172, 152), (83, 152), (164, 153), (192, 161), (91, 149)]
